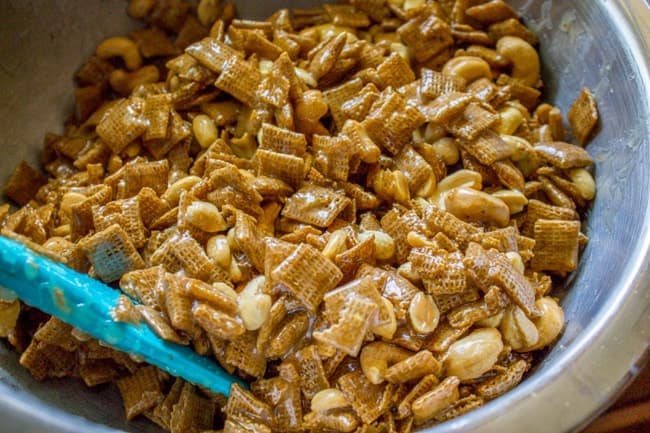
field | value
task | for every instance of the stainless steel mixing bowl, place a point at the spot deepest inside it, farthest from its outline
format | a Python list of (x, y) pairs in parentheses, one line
[(602, 44)]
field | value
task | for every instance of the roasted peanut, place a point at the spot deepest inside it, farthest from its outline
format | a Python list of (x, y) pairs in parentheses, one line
[(416, 239), (328, 399), (516, 261), (335, 244), (218, 249), (173, 193), (206, 216), (204, 130), (517, 329), (549, 324), (384, 244), (472, 205), (510, 119), (447, 149), (119, 46), (515, 200), (469, 68), (423, 313), (584, 182), (472, 356), (523, 57)]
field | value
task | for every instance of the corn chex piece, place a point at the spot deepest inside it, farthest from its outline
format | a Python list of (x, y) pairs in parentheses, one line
[(159, 324), (57, 333), (395, 72), (282, 140), (442, 272), (310, 368), (308, 275), (192, 257), (98, 371), (459, 407), (287, 334), (151, 206), (438, 220), (492, 268), (413, 367), (44, 361), (473, 120), (125, 213), (315, 205), (157, 110), (161, 414), (504, 381), (243, 403), (391, 121), (434, 84), (414, 166), (424, 385), (242, 353), (178, 130), (369, 401), (348, 332), (583, 116), (487, 147), (145, 285), (145, 174), (249, 240), (287, 168), (340, 95), (213, 54), (358, 106), (539, 210), (351, 259), (556, 245), (398, 227), (563, 155), (112, 253), (192, 413), (216, 322), (365, 288), (332, 156), (426, 36), (24, 183), (240, 79), (123, 123), (228, 186), (141, 391), (178, 305)]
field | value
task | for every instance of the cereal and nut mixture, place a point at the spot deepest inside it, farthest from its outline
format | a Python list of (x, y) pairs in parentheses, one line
[(361, 208)]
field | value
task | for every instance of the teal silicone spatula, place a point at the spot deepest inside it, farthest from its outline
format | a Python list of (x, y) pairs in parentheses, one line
[(86, 304)]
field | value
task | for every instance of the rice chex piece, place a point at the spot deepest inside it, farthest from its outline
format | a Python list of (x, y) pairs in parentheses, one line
[(424, 385), (243, 402), (332, 156), (438, 220), (310, 368), (413, 367), (308, 275), (426, 36), (141, 391), (398, 227), (442, 272), (123, 123), (57, 333), (144, 285), (161, 414), (213, 53), (240, 79), (282, 140), (351, 259), (473, 120), (414, 166), (395, 72), (157, 109), (487, 147), (434, 83), (285, 167), (229, 187), (348, 332), (125, 213), (338, 96), (391, 122), (583, 116), (492, 268), (556, 245), (539, 210), (159, 324), (315, 205), (242, 353), (178, 305), (369, 401), (112, 253), (192, 413), (24, 183)]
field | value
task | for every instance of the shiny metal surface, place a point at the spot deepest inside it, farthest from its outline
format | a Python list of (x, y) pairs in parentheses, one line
[(603, 44)]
